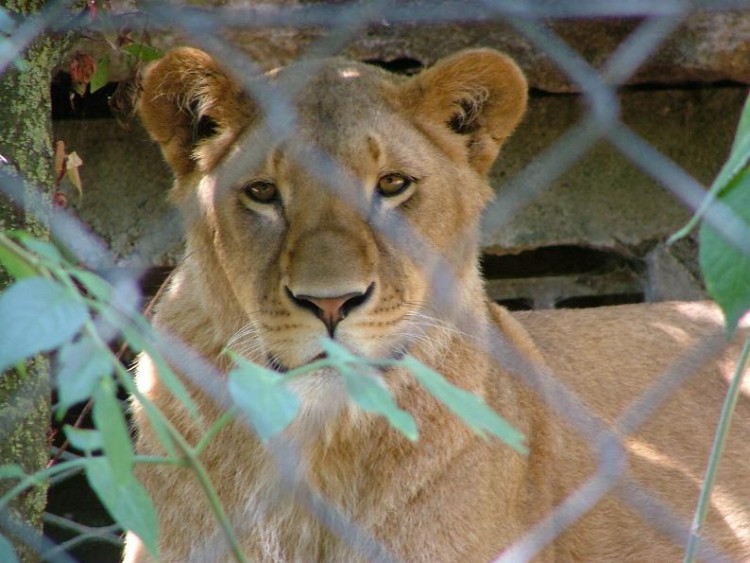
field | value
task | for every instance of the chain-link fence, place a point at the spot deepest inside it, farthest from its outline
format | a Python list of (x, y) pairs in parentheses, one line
[(323, 29)]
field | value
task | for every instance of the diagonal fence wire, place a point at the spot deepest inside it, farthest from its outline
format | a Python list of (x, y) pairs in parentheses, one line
[(341, 24)]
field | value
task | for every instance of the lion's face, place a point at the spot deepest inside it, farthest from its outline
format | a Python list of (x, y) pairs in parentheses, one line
[(362, 225)]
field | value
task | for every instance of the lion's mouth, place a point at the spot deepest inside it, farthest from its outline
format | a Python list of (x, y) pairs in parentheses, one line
[(275, 364), (278, 366)]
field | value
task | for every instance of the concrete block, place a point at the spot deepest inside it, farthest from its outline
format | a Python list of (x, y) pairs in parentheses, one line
[(125, 184), (605, 201)]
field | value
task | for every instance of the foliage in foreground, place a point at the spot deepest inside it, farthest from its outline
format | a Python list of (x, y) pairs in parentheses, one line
[(56, 306)]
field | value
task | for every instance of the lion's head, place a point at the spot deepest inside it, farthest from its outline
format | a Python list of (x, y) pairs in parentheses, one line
[(331, 197)]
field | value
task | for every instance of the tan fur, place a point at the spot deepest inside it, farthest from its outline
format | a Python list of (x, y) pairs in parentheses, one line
[(450, 496)]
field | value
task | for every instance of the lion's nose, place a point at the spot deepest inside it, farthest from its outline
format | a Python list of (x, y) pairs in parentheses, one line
[(331, 310)]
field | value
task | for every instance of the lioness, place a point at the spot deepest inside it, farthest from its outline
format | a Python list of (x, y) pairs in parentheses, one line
[(355, 217)]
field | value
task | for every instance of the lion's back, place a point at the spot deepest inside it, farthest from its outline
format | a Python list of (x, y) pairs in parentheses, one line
[(657, 374)]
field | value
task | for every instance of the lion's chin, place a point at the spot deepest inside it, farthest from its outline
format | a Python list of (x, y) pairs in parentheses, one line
[(324, 405)]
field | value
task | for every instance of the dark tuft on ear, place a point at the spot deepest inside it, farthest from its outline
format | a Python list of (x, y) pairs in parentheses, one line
[(188, 99), (204, 126), (479, 95), (466, 119)]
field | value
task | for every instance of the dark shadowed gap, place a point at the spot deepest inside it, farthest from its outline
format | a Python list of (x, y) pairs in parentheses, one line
[(68, 105), (565, 276), (599, 300), (401, 65)]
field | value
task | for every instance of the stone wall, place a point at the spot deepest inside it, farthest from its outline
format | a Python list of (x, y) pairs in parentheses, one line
[(594, 236)]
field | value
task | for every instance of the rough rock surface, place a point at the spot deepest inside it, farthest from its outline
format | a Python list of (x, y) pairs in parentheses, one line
[(705, 47)]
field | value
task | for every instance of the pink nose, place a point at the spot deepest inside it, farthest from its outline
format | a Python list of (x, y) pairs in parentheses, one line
[(331, 310)]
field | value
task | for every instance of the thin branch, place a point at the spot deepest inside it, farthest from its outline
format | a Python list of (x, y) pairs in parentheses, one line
[(725, 421)]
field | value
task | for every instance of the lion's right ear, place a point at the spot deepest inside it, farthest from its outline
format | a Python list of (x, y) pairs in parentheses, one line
[(188, 98)]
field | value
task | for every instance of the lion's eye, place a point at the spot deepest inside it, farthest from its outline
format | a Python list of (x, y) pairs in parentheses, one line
[(393, 184), (261, 191)]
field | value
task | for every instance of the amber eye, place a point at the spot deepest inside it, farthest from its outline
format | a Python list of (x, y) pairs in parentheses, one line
[(261, 191), (393, 184)]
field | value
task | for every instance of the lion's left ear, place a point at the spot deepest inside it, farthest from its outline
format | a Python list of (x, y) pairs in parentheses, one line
[(478, 95)]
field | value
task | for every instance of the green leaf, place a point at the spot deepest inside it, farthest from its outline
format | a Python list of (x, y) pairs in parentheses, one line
[(741, 144), (81, 365), (15, 265), (143, 52), (126, 501), (467, 406), (11, 471), (85, 440), (262, 396), (7, 553), (110, 421), (100, 78), (738, 158), (45, 250), (367, 389), (38, 314), (726, 269), (94, 284)]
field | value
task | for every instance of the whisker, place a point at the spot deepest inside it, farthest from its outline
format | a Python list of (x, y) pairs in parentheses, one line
[(247, 342), (423, 318)]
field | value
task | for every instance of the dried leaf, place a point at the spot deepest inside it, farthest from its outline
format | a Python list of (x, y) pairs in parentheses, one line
[(59, 162), (82, 67), (72, 162), (59, 157)]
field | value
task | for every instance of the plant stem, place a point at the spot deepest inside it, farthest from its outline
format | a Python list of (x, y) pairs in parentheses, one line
[(191, 459), (107, 534), (727, 410), (39, 477), (227, 417)]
